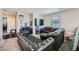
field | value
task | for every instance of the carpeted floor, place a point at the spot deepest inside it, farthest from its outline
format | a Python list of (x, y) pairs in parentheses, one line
[(12, 45), (66, 46)]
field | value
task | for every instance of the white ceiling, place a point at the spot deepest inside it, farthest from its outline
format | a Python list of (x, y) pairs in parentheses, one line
[(41, 11)]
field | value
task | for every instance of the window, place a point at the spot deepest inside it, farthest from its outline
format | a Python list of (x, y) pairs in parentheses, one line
[(21, 17), (41, 22), (55, 22)]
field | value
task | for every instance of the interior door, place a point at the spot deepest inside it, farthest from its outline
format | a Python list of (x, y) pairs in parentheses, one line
[(4, 25)]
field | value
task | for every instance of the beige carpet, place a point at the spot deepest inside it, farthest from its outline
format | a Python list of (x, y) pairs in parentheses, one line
[(10, 45), (66, 46)]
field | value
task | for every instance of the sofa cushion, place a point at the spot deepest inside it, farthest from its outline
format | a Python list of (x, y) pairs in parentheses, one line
[(52, 34), (46, 29), (43, 34), (53, 29), (55, 33), (59, 31)]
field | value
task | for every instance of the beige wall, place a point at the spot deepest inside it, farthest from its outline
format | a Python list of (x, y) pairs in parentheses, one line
[(1, 33), (69, 19), (26, 20), (10, 22)]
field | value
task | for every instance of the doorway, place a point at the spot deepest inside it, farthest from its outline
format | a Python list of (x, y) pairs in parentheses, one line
[(4, 25)]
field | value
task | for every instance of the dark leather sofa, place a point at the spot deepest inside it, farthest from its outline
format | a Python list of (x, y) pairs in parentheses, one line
[(59, 39), (27, 29), (47, 29), (77, 49), (58, 36), (31, 43)]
